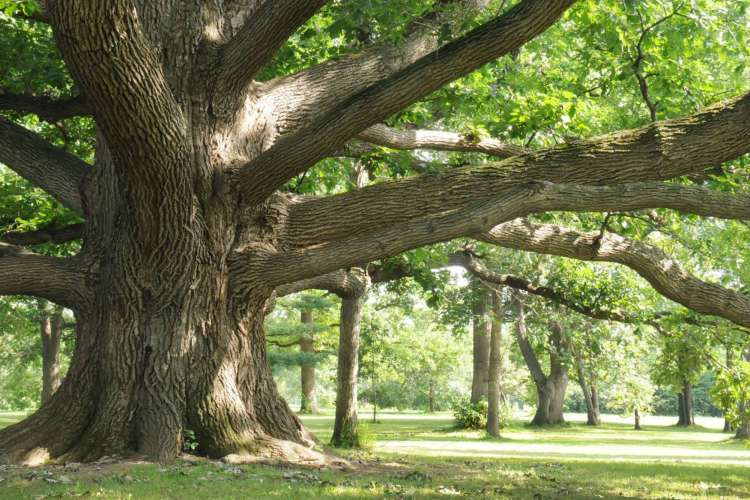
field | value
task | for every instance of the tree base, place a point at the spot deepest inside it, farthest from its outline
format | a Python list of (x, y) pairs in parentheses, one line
[(277, 451)]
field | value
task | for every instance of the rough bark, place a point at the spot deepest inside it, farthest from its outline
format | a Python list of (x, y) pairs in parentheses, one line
[(309, 399), (62, 281), (438, 140), (665, 274), (259, 38), (481, 326), (493, 388), (56, 171), (182, 229), (294, 153), (660, 151)]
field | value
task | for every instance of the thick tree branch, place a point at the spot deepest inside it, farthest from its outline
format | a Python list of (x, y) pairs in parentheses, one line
[(55, 235), (57, 172), (292, 154), (47, 109), (299, 99), (123, 79), (343, 283), (480, 216), (662, 150), (261, 37), (52, 278), (665, 274), (438, 140)]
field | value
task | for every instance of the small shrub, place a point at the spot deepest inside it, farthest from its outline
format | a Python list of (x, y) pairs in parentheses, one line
[(470, 415), (189, 442)]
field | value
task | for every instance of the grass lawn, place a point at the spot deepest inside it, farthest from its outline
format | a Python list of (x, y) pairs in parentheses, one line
[(418, 456)]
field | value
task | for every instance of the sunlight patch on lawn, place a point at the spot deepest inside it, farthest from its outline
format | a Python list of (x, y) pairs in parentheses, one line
[(610, 453)]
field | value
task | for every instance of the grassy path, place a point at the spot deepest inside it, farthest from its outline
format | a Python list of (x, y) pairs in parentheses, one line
[(418, 456)]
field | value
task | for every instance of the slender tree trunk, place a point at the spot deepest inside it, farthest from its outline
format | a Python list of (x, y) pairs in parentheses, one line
[(309, 400), (590, 395), (481, 340), (743, 427), (681, 415), (431, 397), (345, 426), (687, 397), (730, 357), (51, 329), (637, 425), (493, 389)]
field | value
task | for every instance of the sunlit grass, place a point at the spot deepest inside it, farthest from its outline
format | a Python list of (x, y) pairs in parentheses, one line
[(425, 457)]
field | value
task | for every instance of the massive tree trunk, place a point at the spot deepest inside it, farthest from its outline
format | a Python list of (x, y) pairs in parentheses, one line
[(481, 327), (493, 389), (51, 329), (309, 399), (187, 234)]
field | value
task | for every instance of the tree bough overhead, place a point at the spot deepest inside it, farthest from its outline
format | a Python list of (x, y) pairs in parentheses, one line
[(187, 233)]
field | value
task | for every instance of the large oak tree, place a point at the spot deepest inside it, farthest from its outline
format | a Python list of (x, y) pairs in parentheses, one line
[(187, 234)]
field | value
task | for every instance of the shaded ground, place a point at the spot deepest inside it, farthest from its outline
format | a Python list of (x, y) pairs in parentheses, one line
[(421, 456)]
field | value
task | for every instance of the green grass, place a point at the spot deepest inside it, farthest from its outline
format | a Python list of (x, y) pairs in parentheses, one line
[(423, 457)]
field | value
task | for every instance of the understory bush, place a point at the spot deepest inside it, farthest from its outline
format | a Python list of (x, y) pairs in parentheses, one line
[(470, 415)]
